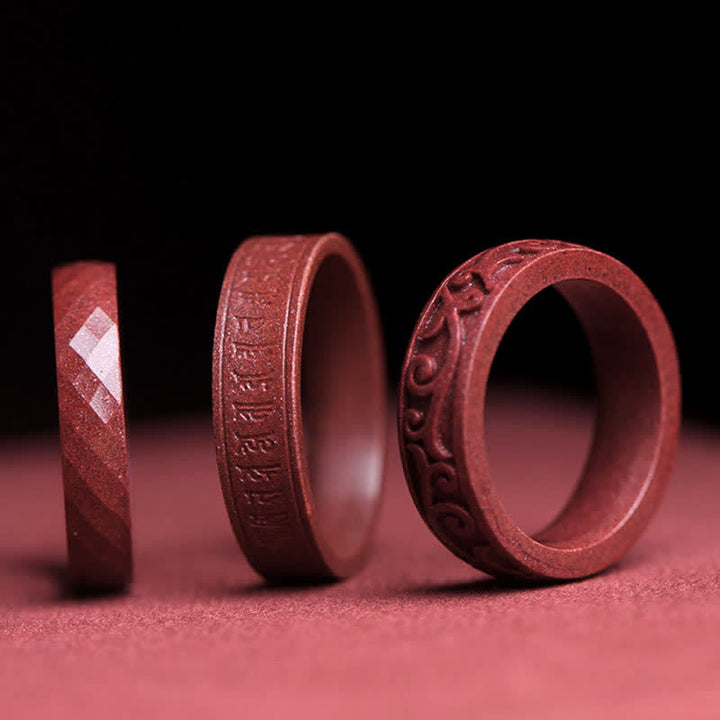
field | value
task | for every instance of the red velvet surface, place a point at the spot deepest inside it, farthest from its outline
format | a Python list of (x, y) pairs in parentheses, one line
[(417, 632)]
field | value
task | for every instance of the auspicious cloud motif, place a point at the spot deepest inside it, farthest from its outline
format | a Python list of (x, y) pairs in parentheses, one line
[(428, 379), (97, 343)]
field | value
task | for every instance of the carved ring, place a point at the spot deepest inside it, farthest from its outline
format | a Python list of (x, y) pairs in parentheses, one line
[(299, 404), (442, 399)]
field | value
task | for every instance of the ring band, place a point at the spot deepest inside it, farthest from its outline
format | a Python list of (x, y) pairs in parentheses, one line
[(442, 406), (299, 403), (92, 425)]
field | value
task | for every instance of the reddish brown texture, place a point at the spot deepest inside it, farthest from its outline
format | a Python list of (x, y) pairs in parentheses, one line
[(299, 405), (419, 633), (92, 425), (442, 410)]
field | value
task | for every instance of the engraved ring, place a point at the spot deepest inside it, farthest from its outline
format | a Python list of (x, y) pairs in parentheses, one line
[(92, 425), (442, 407), (299, 402)]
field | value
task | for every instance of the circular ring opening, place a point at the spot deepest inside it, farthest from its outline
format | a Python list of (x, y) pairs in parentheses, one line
[(342, 407), (541, 397), (624, 446)]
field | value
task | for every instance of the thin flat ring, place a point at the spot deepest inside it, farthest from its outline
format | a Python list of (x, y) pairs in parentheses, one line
[(442, 406), (92, 425), (299, 401)]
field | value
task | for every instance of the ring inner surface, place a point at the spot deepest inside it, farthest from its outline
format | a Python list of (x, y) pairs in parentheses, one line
[(342, 407), (623, 450)]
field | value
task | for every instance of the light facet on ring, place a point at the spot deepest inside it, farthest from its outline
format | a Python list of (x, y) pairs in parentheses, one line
[(442, 406), (92, 425)]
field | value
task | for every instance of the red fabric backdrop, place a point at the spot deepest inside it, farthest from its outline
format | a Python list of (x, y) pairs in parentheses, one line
[(417, 632)]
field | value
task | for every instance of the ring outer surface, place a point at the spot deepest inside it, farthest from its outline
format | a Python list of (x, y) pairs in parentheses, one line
[(257, 413), (92, 425), (442, 397)]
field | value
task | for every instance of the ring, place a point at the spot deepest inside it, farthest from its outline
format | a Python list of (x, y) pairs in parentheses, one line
[(299, 405), (442, 408), (92, 425)]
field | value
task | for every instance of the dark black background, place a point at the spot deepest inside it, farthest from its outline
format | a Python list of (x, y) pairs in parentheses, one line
[(159, 141)]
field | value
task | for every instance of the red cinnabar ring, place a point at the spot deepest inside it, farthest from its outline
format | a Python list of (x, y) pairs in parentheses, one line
[(299, 404), (441, 420), (92, 425)]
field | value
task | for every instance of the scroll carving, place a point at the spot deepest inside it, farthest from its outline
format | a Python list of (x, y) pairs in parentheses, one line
[(428, 383)]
